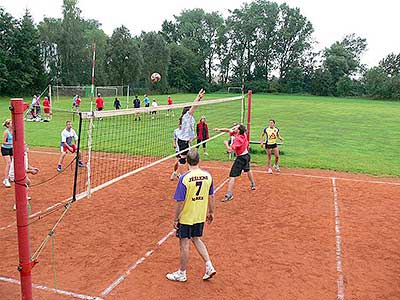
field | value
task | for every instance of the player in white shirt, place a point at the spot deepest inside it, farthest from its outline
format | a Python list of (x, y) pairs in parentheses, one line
[(67, 135), (175, 174)]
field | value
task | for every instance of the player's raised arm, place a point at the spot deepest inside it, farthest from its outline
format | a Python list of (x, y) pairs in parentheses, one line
[(198, 98)]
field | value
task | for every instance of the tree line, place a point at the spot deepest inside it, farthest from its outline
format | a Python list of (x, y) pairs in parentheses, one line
[(266, 46)]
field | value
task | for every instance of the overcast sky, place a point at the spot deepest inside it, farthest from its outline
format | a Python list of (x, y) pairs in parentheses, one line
[(377, 21)]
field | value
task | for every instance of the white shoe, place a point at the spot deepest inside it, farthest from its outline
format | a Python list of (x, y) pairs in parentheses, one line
[(210, 272), (276, 167), (177, 276), (205, 153), (15, 207), (6, 183), (269, 171)]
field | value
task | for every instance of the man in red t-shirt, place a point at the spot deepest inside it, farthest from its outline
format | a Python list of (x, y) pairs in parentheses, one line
[(242, 162), (99, 102), (170, 111)]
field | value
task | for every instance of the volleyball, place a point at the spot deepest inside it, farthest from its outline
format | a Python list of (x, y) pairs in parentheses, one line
[(155, 77)]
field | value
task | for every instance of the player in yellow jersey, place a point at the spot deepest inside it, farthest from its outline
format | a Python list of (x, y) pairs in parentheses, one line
[(272, 134), (195, 204)]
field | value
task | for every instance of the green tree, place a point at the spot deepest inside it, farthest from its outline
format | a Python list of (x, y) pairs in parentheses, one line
[(74, 68), (124, 59), (7, 42), (294, 38), (156, 58), (183, 70), (391, 64)]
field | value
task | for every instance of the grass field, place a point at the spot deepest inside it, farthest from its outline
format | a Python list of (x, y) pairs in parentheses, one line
[(351, 135)]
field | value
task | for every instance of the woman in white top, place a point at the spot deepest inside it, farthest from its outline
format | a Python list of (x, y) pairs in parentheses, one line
[(187, 133)]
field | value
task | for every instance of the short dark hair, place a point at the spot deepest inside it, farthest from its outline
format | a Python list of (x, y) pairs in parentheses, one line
[(272, 120), (66, 122), (193, 158)]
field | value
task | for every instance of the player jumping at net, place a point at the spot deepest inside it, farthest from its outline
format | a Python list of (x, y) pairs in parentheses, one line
[(187, 133), (242, 162), (195, 204), (272, 134), (67, 145)]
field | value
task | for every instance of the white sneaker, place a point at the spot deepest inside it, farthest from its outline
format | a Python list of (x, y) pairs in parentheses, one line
[(6, 183), (205, 153), (210, 272), (177, 276), (15, 207), (269, 171), (276, 167)]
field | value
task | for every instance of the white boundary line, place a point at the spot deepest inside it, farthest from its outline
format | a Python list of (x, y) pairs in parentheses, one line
[(121, 278), (311, 176), (56, 291), (339, 260)]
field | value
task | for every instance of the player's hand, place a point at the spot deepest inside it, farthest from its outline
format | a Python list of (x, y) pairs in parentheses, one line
[(175, 224), (200, 95), (262, 145), (210, 218)]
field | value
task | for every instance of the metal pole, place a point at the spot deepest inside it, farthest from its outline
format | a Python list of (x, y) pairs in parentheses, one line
[(249, 99), (25, 264)]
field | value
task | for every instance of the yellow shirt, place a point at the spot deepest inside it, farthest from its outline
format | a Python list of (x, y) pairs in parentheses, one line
[(272, 135), (194, 187)]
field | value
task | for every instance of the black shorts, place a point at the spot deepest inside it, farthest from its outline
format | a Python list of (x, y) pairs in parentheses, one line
[(272, 146), (189, 231), (147, 105), (199, 141), (6, 151), (241, 163), (183, 145), (98, 108)]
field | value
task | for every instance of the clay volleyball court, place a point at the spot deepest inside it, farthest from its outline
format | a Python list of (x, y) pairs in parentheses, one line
[(303, 234)]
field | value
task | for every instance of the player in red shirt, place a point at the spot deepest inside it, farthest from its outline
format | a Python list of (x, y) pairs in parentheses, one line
[(47, 107), (78, 103), (242, 162), (170, 102), (99, 102)]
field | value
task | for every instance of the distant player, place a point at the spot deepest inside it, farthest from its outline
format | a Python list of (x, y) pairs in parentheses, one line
[(202, 133), (136, 102), (99, 103), (272, 134), (195, 204), (77, 103), (170, 102), (175, 174), (117, 104), (74, 102), (146, 101), (154, 104), (242, 162), (67, 135), (47, 108)]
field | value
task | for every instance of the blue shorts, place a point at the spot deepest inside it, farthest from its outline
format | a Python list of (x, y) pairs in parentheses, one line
[(189, 231)]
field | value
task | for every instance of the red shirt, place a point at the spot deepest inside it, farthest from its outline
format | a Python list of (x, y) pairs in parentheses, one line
[(46, 103), (99, 102), (240, 144), (169, 101), (78, 101)]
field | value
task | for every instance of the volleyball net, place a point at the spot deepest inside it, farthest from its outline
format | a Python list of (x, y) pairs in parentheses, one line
[(117, 144)]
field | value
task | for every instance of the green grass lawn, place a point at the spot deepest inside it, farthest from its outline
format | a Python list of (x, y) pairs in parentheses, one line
[(351, 135)]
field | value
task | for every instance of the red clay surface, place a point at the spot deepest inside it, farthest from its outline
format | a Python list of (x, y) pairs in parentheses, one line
[(277, 242)]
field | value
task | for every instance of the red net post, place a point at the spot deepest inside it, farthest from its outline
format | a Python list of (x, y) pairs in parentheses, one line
[(249, 99), (25, 265)]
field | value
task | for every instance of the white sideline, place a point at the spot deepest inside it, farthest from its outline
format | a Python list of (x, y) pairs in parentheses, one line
[(121, 278), (56, 291), (313, 176), (339, 260)]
